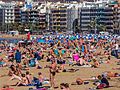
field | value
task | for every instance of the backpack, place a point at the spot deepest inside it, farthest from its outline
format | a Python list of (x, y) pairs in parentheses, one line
[(32, 63)]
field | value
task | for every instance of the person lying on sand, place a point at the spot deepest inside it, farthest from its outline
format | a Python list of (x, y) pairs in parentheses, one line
[(64, 86), (95, 63), (100, 81), (2, 63), (110, 74), (6, 87), (42, 79), (23, 82), (14, 72)]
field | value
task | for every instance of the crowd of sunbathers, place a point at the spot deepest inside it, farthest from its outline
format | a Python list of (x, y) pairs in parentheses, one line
[(75, 51)]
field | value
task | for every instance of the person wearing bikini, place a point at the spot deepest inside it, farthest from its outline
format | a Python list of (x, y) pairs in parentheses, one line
[(53, 69)]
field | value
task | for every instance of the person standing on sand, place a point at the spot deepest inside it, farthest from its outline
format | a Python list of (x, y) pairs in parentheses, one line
[(53, 69), (18, 56), (116, 49)]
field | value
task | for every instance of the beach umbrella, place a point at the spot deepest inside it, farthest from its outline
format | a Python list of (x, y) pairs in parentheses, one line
[(78, 36), (41, 41)]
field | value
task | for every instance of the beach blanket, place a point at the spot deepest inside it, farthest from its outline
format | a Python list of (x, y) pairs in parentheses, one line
[(7, 89), (32, 63)]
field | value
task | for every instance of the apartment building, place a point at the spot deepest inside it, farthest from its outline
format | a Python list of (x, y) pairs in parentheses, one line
[(17, 14), (72, 17), (2, 18), (63, 16), (7, 12), (58, 18), (97, 13)]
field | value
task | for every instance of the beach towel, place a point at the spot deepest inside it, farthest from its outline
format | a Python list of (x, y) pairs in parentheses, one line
[(76, 57), (2, 63), (56, 52), (7, 89), (40, 89), (41, 41), (63, 51), (83, 48)]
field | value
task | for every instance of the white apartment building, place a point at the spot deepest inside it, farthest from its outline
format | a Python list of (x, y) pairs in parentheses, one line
[(9, 12), (72, 15)]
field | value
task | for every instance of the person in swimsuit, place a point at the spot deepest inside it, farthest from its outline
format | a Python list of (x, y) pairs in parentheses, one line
[(53, 69), (23, 82), (14, 73)]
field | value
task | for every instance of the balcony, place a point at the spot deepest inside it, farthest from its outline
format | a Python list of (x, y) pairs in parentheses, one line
[(33, 14), (54, 25), (85, 20), (85, 12), (107, 21), (85, 16), (63, 20)]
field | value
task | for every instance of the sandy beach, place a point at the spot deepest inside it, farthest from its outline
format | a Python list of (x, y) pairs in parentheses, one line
[(68, 77)]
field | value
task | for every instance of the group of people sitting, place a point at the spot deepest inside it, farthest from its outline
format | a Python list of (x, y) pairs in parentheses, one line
[(73, 52)]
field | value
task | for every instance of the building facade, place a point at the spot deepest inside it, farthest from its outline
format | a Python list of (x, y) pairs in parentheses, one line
[(95, 16), (72, 17), (63, 16), (8, 12), (2, 18), (17, 14), (102, 16), (58, 18)]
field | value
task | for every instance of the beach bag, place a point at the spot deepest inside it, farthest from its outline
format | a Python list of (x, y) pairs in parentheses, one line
[(32, 63), (101, 86), (113, 53), (63, 51)]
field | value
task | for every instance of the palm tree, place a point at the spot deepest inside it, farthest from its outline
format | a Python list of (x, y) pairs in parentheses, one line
[(20, 28), (15, 26), (89, 27), (1, 28), (94, 24), (58, 28), (102, 27), (46, 25), (10, 26)]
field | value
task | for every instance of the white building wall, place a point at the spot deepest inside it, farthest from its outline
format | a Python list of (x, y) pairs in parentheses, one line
[(72, 14), (9, 15)]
